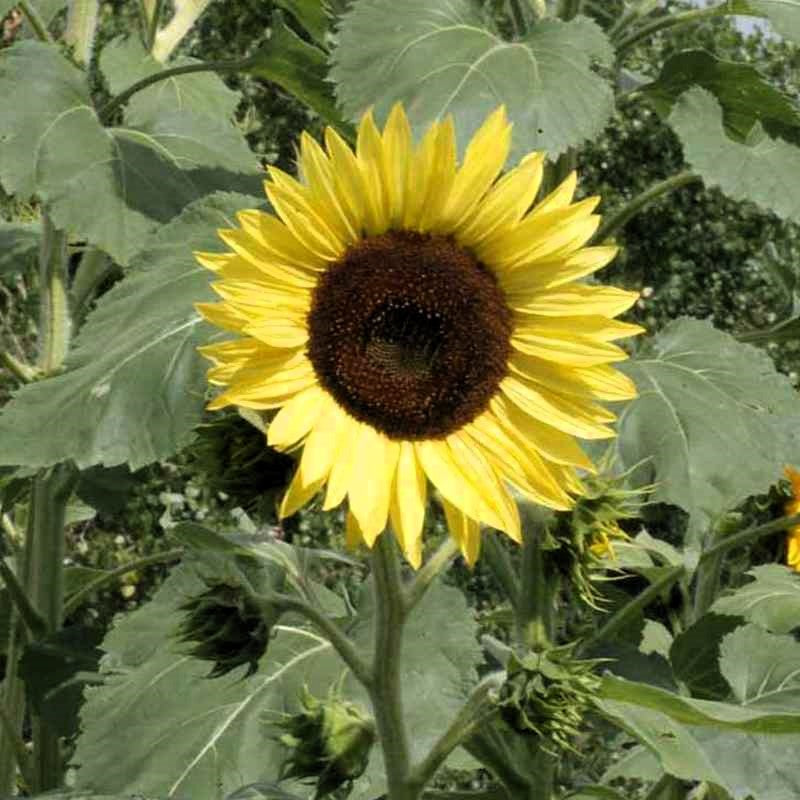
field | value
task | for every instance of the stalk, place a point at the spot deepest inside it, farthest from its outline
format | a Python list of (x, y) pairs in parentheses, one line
[(81, 28), (636, 204), (35, 20), (385, 689), (55, 325), (537, 593), (430, 570), (664, 23)]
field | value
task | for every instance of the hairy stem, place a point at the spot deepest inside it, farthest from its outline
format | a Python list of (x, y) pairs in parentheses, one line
[(107, 111), (45, 588), (35, 20), (81, 28), (499, 562), (475, 710), (429, 571), (55, 324), (630, 610), (331, 631), (537, 589), (21, 371), (386, 688), (76, 600), (635, 205), (664, 23)]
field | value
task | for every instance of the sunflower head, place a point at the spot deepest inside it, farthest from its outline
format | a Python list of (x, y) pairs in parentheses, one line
[(546, 695), (330, 741), (421, 321)]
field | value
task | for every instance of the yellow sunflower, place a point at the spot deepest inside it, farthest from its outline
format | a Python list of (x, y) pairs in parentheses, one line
[(415, 321), (791, 508)]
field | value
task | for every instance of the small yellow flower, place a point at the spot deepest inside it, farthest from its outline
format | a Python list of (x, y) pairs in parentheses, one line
[(415, 320), (791, 508)]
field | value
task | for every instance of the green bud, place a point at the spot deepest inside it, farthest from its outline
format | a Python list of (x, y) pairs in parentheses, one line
[(226, 626), (330, 741), (546, 695)]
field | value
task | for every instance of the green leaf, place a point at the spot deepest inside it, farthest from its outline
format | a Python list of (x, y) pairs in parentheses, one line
[(709, 425), (656, 638), (637, 762), (134, 384), (19, 246), (51, 670), (437, 57), (762, 669), (130, 180), (313, 15), (694, 656), (761, 170), (746, 751), (742, 91), (772, 600), (296, 66), (158, 726), (595, 793), (124, 61)]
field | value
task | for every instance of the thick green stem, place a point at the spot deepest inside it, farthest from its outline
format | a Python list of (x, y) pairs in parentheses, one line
[(45, 588), (630, 610), (76, 600), (537, 590), (22, 372), (475, 710), (634, 206), (94, 268), (331, 631), (55, 325), (430, 570), (107, 111), (664, 23), (386, 689), (748, 536), (35, 21), (499, 562), (81, 27)]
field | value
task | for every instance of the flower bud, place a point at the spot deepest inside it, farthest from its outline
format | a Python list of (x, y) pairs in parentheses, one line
[(227, 626), (546, 695), (330, 740)]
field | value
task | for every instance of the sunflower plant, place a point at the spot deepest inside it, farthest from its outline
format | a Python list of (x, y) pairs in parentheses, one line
[(406, 335)]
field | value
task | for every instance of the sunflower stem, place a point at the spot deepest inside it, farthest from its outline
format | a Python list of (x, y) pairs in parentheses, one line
[(665, 22), (385, 686), (430, 570), (537, 587), (633, 207), (499, 562), (55, 323), (474, 711)]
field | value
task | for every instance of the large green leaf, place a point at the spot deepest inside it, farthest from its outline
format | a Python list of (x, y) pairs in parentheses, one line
[(694, 656), (762, 170), (745, 750), (313, 15), (709, 425), (134, 384), (19, 244), (111, 186), (124, 61), (762, 669), (743, 92), (296, 66), (159, 726), (772, 600), (438, 58)]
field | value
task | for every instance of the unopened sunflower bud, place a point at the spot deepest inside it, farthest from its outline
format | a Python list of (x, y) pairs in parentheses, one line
[(330, 741), (546, 695), (227, 626), (584, 537)]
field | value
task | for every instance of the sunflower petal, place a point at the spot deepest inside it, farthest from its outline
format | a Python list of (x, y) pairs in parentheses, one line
[(407, 511), (297, 418), (297, 495), (466, 531), (528, 279), (575, 299)]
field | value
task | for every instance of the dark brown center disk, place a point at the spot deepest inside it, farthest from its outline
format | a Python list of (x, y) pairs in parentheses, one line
[(410, 334)]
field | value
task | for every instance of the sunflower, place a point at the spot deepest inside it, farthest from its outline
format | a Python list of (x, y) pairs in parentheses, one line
[(791, 508), (418, 321)]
